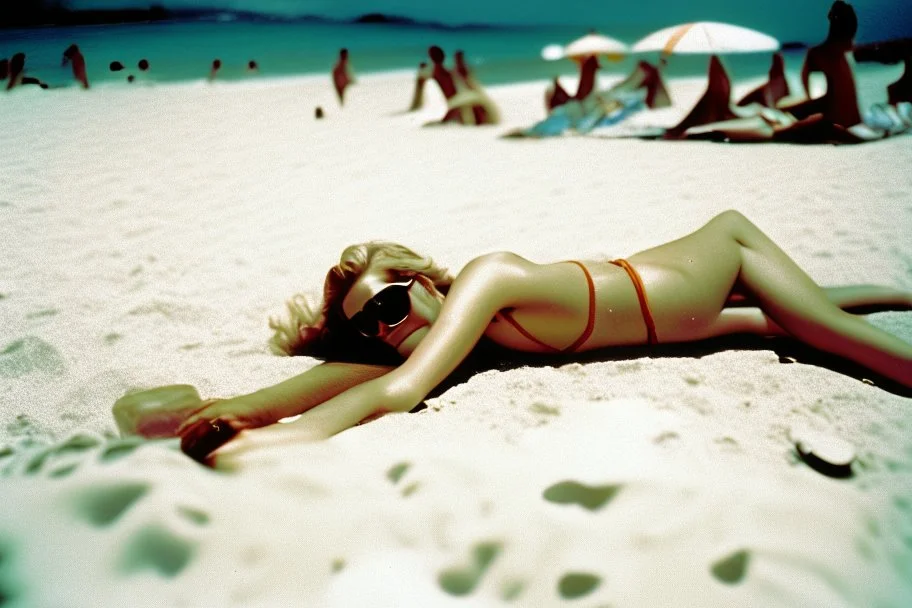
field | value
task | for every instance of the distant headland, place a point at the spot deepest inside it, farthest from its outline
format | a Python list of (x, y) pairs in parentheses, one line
[(34, 14)]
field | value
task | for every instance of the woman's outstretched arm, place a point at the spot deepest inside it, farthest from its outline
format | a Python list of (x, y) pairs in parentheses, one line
[(269, 405), (485, 286)]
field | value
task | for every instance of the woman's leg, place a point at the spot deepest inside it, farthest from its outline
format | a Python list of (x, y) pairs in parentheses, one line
[(848, 297), (698, 273), (745, 318), (799, 306)]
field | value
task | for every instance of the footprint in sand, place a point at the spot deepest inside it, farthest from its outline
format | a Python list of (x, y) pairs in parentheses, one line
[(732, 568), (103, 505), (592, 498), (30, 355), (64, 458), (7, 593), (153, 546), (462, 580), (396, 473), (577, 584), (157, 548)]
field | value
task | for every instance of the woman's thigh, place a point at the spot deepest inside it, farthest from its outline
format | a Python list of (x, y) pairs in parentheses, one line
[(689, 280)]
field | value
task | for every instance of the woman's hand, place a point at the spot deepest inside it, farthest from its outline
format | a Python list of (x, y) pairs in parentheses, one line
[(216, 423), (253, 444)]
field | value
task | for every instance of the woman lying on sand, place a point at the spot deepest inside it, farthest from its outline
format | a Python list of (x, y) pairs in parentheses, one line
[(384, 298)]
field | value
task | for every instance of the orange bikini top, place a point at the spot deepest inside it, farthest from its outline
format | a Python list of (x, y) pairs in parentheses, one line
[(590, 324)]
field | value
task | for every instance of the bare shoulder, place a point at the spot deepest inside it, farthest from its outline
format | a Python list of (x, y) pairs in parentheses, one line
[(498, 261)]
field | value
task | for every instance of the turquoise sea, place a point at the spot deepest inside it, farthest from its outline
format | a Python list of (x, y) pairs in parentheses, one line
[(184, 50)]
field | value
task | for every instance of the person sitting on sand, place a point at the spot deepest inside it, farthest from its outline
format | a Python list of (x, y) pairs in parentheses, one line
[(462, 70), (421, 78), (839, 104), (342, 75), (588, 68), (643, 88), (713, 106), (464, 105), (393, 324), (901, 90), (648, 78), (444, 80), (556, 95), (775, 88), (833, 117), (465, 81), (73, 55), (213, 71)]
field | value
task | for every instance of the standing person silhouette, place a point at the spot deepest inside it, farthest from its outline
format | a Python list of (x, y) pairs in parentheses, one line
[(342, 76), (73, 56), (216, 66), (17, 75)]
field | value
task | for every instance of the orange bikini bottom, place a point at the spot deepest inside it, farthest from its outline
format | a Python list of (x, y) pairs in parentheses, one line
[(590, 324), (637, 281)]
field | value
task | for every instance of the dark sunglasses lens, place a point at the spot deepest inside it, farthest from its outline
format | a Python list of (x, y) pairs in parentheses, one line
[(365, 324), (392, 305)]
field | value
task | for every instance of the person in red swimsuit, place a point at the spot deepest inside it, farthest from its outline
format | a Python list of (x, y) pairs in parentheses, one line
[(342, 75), (394, 325), (73, 56)]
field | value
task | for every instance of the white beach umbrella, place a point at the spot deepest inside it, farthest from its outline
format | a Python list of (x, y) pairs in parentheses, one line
[(706, 37), (590, 44)]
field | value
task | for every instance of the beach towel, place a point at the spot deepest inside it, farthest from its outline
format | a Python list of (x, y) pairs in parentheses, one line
[(878, 122), (585, 116)]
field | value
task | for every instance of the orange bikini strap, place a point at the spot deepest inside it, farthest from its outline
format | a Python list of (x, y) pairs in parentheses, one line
[(590, 324), (637, 281)]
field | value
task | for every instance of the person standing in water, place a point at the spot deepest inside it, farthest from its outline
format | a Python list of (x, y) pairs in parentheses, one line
[(342, 76), (73, 56)]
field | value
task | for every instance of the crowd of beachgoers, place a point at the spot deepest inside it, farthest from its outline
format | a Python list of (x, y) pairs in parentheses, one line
[(773, 111)]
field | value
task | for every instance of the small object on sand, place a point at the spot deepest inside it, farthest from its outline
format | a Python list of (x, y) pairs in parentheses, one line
[(156, 412), (826, 454), (318, 113)]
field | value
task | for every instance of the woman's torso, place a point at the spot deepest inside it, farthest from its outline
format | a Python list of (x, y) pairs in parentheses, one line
[(557, 310)]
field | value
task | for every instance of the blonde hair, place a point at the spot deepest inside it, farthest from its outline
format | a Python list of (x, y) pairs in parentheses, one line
[(324, 331)]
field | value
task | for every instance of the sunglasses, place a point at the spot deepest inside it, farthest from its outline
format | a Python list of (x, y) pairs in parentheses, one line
[(390, 307)]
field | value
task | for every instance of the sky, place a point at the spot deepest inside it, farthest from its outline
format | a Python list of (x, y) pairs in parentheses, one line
[(785, 19)]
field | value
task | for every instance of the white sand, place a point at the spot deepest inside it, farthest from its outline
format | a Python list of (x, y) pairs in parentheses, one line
[(146, 235)]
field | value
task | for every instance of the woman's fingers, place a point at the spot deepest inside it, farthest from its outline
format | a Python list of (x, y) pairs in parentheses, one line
[(203, 437), (209, 410)]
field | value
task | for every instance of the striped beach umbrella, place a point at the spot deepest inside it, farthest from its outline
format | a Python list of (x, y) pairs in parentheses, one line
[(706, 37)]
